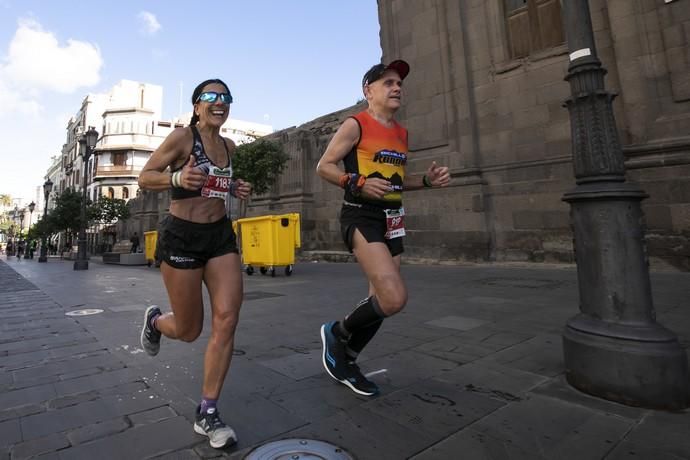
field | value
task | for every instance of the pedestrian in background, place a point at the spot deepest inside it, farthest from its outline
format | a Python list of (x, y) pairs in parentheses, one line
[(20, 249), (373, 148), (135, 242), (196, 244)]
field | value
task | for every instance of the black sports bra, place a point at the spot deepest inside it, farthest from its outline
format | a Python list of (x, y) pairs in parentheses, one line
[(218, 181)]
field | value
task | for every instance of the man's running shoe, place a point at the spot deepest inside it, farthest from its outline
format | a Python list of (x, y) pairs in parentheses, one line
[(334, 359), (210, 425), (150, 336), (338, 366), (358, 382)]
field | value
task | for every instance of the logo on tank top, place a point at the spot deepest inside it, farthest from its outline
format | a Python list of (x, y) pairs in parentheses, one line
[(390, 157)]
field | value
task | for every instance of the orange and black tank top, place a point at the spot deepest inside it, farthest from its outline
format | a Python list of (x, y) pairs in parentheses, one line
[(381, 152)]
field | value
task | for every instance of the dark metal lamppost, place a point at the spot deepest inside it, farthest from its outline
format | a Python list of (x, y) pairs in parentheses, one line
[(87, 142), (22, 213), (47, 188), (15, 214), (27, 253), (11, 233), (613, 348), (68, 173)]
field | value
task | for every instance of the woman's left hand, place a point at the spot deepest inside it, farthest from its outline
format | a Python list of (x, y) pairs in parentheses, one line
[(438, 176), (243, 189)]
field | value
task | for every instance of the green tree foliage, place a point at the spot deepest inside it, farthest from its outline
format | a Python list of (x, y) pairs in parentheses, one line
[(260, 162), (5, 224), (66, 216), (43, 228), (5, 218), (108, 210)]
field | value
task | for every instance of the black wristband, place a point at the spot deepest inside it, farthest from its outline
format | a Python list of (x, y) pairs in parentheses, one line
[(355, 184), (426, 182)]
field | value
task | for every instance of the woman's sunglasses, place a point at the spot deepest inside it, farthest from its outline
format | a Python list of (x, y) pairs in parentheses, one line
[(212, 96)]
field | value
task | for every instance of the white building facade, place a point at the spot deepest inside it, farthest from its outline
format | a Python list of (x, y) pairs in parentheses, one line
[(128, 120), (129, 133)]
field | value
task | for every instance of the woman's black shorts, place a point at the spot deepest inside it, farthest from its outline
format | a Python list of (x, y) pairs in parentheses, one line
[(371, 223), (185, 244)]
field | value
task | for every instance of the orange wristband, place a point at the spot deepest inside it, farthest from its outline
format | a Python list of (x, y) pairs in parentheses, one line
[(360, 181), (344, 179)]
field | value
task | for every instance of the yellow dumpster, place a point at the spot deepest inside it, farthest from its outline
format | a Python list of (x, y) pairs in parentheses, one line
[(269, 242), (150, 239)]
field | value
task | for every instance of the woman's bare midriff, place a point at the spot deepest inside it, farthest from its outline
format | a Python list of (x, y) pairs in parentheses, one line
[(200, 210)]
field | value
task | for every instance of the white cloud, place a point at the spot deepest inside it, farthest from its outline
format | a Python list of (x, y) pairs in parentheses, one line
[(28, 147), (149, 23), (12, 102), (37, 61), (37, 75)]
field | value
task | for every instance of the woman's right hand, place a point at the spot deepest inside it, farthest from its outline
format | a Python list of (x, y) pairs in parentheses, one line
[(192, 178)]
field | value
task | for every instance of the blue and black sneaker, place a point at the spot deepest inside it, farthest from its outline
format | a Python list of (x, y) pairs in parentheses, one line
[(334, 359), (358, 382), (150, 336), (339, 367)]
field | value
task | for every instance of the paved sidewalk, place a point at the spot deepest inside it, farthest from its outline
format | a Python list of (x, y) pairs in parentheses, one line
[(472, 369)]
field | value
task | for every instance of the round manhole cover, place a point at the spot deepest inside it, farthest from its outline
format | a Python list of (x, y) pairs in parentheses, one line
[(84, 312), (298, 449)]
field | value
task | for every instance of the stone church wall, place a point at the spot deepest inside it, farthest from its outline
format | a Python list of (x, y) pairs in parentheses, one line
[(500, 125)]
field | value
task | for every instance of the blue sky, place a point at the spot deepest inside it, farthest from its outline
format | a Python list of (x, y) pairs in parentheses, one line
[(286, 63)]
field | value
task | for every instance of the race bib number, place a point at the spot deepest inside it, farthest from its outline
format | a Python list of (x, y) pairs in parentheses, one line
[(217, 184), (395, 226)]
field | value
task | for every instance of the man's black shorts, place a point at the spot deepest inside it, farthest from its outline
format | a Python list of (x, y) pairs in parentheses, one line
[(371, 223), (184, 244)]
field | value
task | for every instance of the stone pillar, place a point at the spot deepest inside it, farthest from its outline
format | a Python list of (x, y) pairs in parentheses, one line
[(613, 348)]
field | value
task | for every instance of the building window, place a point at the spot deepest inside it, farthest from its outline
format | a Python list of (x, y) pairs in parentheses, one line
[(533, 25), (119, 158), (125, 193), (111, 193)]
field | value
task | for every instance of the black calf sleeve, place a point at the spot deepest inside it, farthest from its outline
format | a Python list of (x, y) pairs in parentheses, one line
[(360, 338), (367, 312)]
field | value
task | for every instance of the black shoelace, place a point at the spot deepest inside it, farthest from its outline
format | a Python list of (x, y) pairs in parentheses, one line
[(214, 420)]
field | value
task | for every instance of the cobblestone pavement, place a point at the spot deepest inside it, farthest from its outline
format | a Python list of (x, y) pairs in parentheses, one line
[(471, 369)]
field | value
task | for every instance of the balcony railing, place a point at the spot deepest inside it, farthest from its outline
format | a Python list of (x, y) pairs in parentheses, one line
[(113, 171)]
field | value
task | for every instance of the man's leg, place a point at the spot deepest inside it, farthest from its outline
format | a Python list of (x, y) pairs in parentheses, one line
[(360, 338), (383, 273)]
